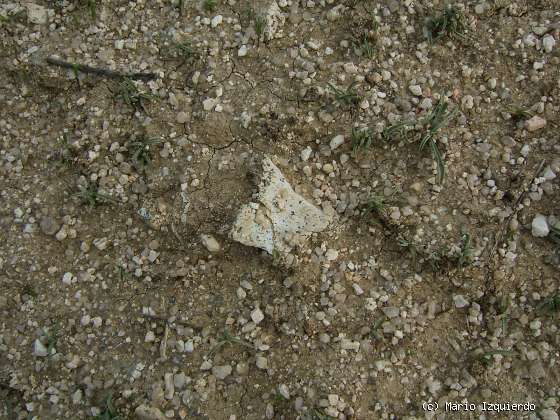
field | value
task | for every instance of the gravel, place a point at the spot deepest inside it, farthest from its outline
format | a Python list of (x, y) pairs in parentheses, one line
[(363, 285)]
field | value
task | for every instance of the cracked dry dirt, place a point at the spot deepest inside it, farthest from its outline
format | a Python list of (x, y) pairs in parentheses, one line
[(113, 305)]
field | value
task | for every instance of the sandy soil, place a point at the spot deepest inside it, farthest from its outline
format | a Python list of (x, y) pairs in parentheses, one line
[(427, 133)]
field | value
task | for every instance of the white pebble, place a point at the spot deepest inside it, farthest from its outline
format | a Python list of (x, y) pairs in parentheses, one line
[(216, 20), (208, 104), (357, 289), (460, 301), (257, 316), (306, 154), (416, 90), (39, 349), (210, 243), (222, 372), (67, 278), (539, 227), (242, 52), (331, 254), (336, 141), (262, 362), (182, 117), (549, 174), (548, 43), (284, 391), (346, 344), (189, 346)]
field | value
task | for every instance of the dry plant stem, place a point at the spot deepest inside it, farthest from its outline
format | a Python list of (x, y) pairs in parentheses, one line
[(507, 221), (99, 71), (163, 348)]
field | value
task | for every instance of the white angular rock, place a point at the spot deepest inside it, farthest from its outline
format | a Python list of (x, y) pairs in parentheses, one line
[(275, 19), (279, 218), (539, 227)]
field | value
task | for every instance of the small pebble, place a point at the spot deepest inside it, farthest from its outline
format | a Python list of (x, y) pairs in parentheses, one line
[(548, 43), (306, 154), (216, 20), (39, 349), (182, 117), (460, 301), (257, 316), (535, 123), (336, 141), (242, 52), (416, 90), (210, 243), (222, 372), (145, 412), (539, 226), (49, 226), (331, 254), (262, 362)]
